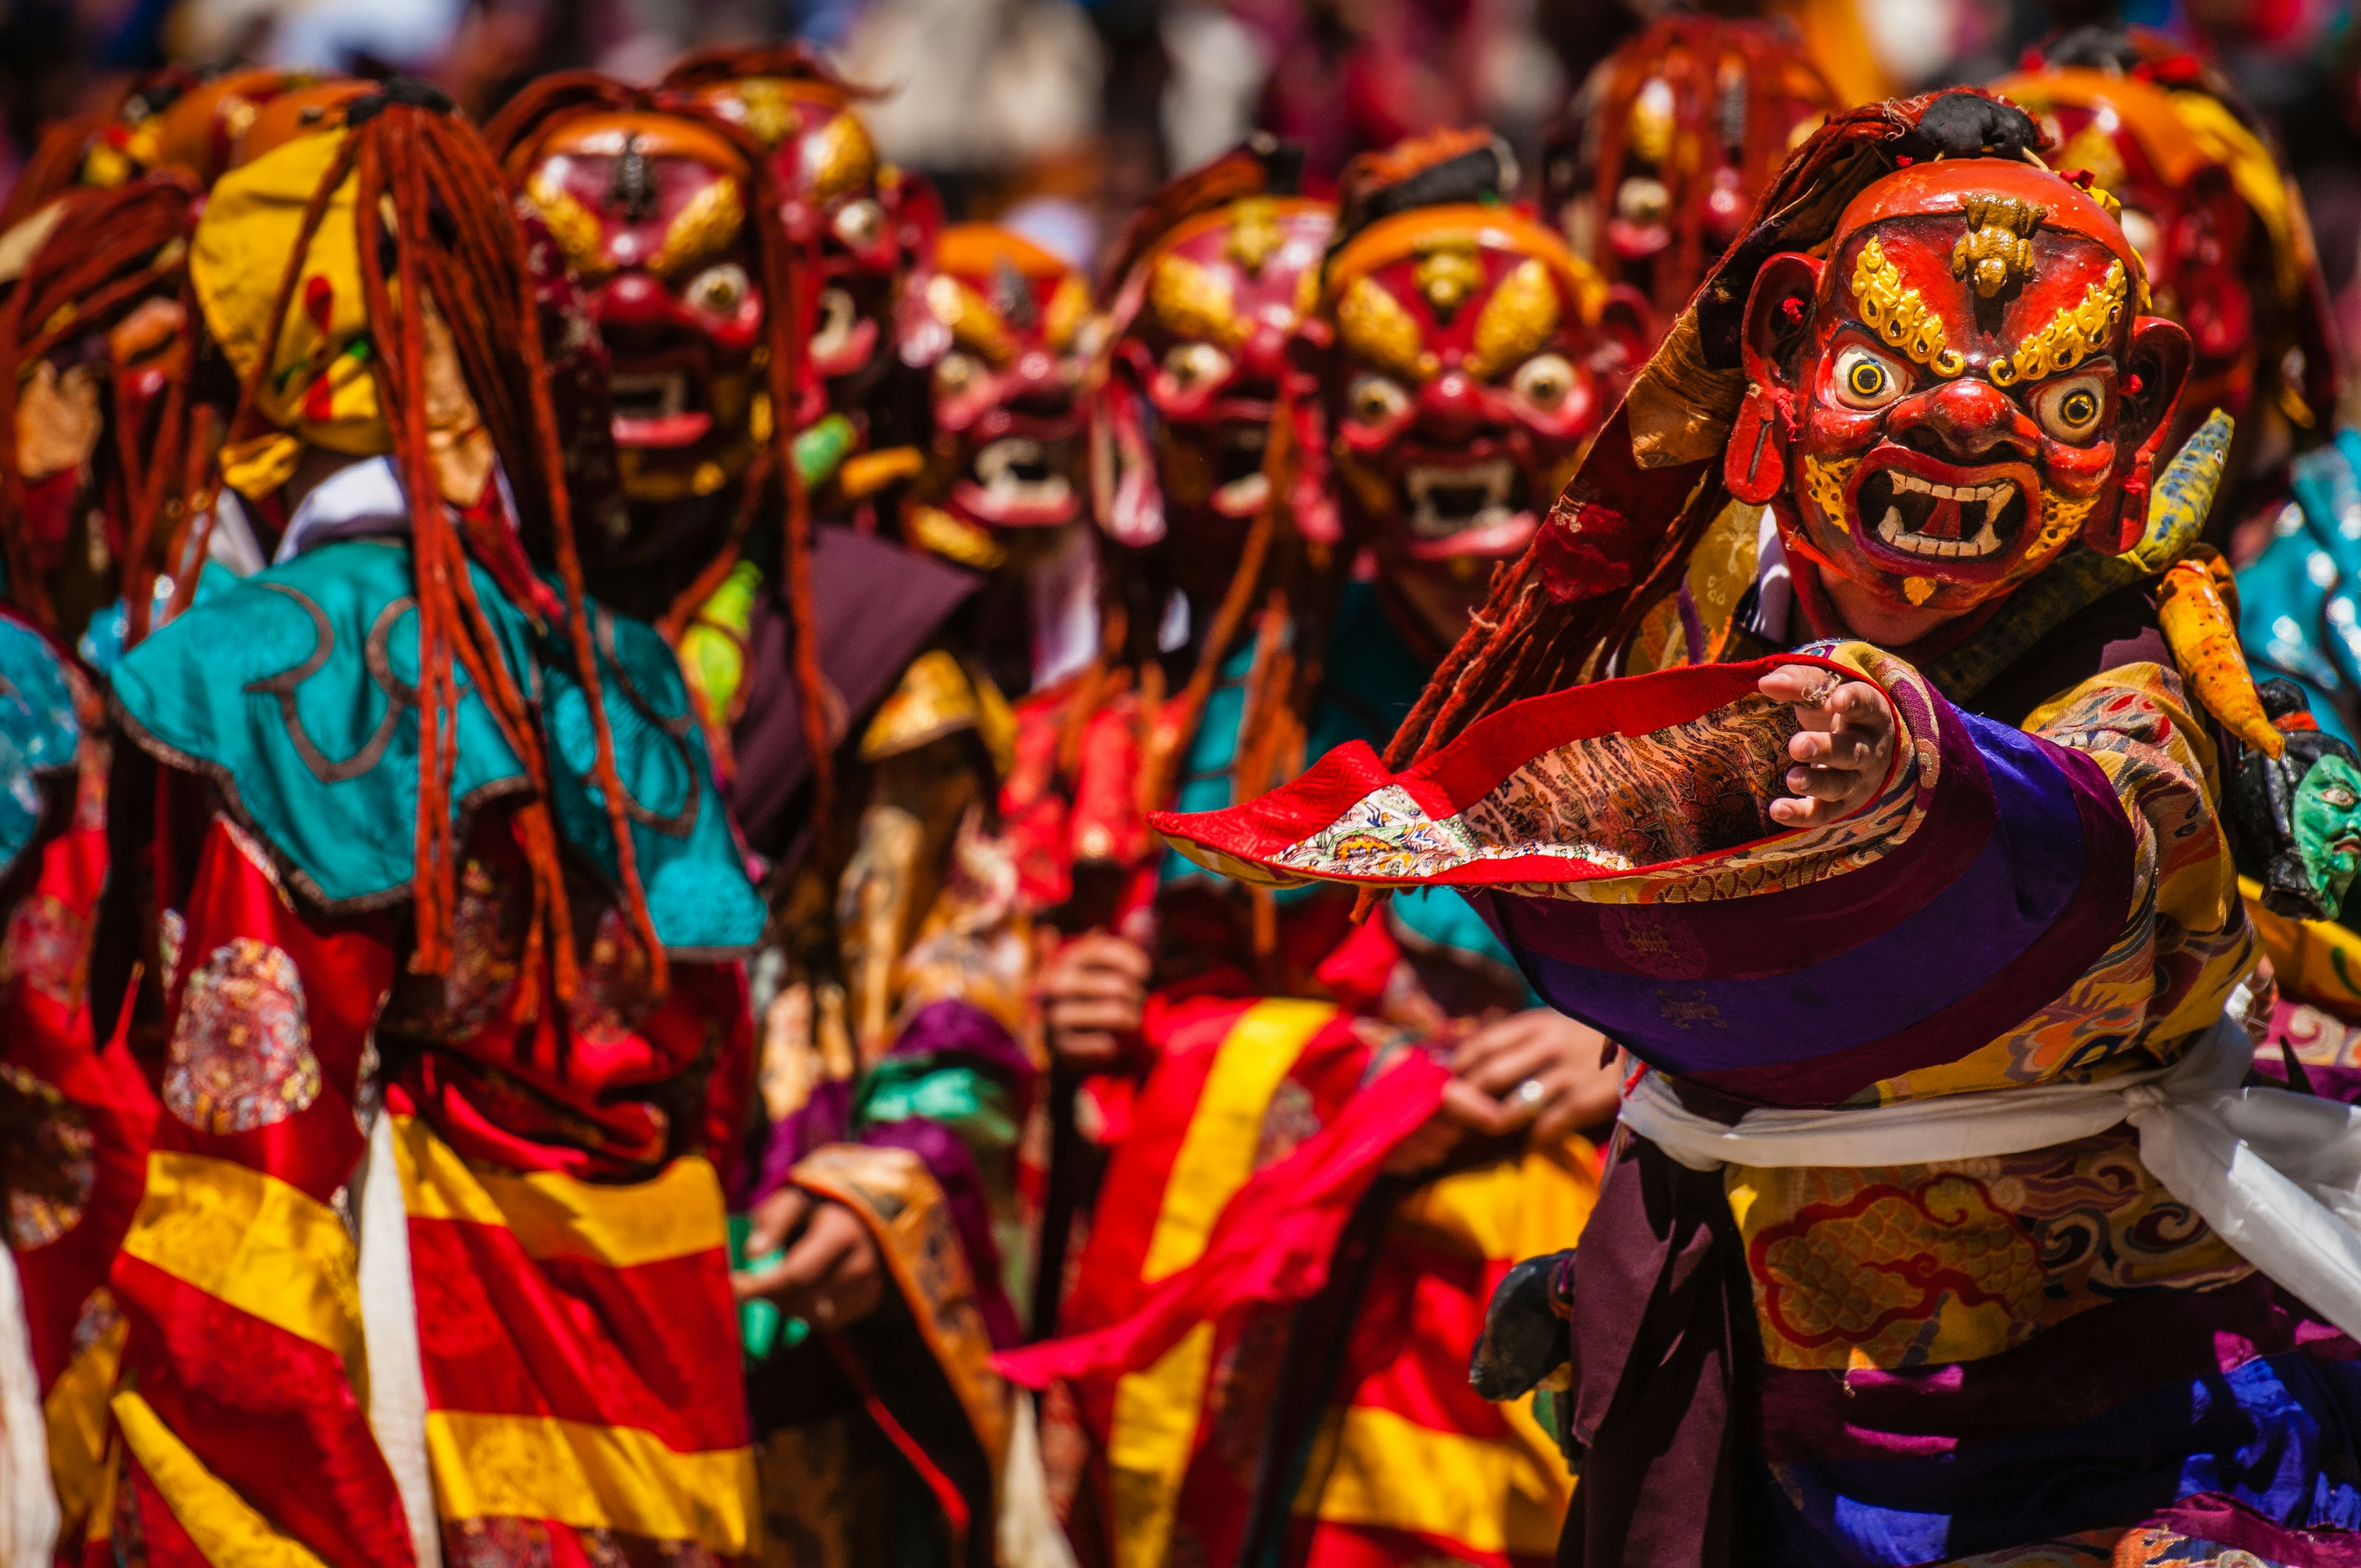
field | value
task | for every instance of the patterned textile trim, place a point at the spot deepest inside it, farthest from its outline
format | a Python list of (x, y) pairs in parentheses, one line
[(579, 1351), (1592, 793), (899, 1201)]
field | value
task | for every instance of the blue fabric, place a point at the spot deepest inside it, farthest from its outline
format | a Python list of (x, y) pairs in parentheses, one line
[(2298, 613), (38, 733), (1368, 687), (2277, 1435), (294, 690), (101, 641)]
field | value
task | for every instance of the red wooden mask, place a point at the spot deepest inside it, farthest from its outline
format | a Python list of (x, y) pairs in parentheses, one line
[(1200, 327), (1008, 451), (1964, 386), (650, 212)]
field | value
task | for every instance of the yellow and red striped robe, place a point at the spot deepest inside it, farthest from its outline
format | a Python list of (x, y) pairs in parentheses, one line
[(562, 1385), (1406, 1462)]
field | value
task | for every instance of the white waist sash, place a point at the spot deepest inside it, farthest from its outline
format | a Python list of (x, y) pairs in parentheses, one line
[(2277, 1174)]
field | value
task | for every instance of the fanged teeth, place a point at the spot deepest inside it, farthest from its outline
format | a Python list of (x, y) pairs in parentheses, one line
[(1891, 532), (1016, 469), (1482, 491)]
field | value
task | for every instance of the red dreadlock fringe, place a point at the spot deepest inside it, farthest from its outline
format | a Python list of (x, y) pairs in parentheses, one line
[(520, 127), (418, 164), (108, 250), (55, 167)]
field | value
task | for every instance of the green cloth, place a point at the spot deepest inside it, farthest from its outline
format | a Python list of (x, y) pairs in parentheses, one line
[(295, 691)]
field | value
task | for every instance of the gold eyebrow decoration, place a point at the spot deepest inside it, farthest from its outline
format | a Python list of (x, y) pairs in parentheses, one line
[(1070, 306), (1899, 316), (705, 227), (2073, 334), (1194, 302), (1376, 327), (976, 326), (571, 226), (1518, 319), (842, 159)]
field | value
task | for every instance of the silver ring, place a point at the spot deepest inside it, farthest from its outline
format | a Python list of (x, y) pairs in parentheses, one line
[(1531, 1093)]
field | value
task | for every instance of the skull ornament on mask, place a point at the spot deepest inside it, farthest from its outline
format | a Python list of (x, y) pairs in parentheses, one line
[(1962, 389), (650, 212), (1654, 168), (1464, 359), (1007, 449), (1200, 329), (861, 222)]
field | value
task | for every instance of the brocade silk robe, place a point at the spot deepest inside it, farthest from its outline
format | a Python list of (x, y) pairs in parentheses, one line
[(426, 1266)]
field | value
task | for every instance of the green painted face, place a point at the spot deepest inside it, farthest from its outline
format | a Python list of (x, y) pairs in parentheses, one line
[(2328, 828)]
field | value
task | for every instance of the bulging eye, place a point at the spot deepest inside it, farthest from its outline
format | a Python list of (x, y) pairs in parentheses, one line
[(2070, 409), (861, 224), (956, 373), (1374, 400), (1544, 381), (1866, 379), (1193, 366), (718, 291)]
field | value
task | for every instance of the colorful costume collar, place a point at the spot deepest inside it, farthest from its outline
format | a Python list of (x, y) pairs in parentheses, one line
[(294, 691)]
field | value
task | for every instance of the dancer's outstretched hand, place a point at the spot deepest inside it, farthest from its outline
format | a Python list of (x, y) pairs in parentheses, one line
[(832, 1274), (1842, 751)]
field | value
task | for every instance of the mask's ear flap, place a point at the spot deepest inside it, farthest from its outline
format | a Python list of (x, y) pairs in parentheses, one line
[(1777, 311), (1122, 465), (2156, 368), (1627, 329)]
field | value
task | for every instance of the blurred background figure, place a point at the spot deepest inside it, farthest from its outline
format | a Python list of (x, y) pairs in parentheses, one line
[(1057, 118)]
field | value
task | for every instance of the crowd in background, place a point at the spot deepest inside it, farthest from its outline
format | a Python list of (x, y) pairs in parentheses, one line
[(1062, 115)]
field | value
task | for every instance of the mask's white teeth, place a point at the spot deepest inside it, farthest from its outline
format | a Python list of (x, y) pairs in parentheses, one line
[(1986, 542), (1891, 528)]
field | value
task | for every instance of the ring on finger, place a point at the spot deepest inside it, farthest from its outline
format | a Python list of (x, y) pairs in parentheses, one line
[(1530, 1094)]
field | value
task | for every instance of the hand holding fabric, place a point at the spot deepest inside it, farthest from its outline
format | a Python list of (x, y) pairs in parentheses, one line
[(1568, 1064), (830, 1276), (1842, 752)]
